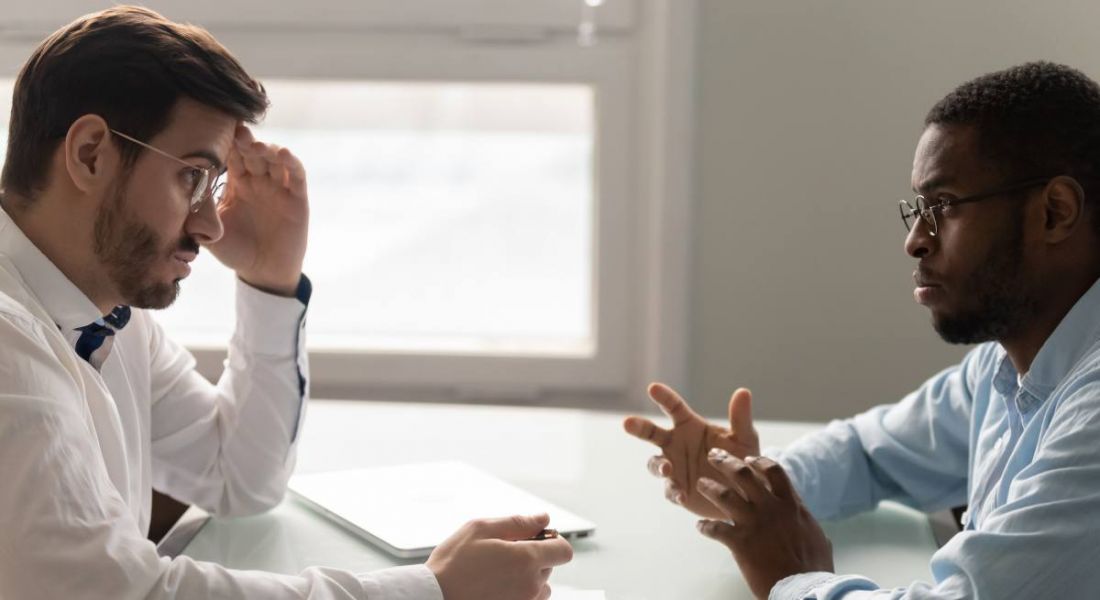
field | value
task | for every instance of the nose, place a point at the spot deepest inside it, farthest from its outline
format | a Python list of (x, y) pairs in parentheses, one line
[(919, 241), (204, 225)]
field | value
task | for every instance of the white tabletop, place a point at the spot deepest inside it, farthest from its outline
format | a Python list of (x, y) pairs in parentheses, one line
[(644, 547)]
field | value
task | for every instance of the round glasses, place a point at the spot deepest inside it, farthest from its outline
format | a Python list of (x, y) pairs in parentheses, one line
[(927, 211), (209, 181)]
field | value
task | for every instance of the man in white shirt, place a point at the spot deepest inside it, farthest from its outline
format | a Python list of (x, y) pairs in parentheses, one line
[(127, 153)]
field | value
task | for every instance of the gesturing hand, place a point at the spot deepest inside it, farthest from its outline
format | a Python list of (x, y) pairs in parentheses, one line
[(684, 448), (773, 535), (265, 212), (495, 559)]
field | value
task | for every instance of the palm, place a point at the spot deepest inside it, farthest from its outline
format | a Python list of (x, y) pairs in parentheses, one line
[(686, 445)]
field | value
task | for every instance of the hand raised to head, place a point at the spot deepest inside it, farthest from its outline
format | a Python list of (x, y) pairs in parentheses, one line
[(683, 458)]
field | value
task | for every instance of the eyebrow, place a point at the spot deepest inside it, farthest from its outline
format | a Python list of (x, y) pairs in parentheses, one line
[(931, 184), (208, 155)]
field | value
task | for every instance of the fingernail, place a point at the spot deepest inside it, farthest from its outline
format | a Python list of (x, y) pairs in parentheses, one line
[(679, 498), (751, 459), (701, 526), (718, 454)]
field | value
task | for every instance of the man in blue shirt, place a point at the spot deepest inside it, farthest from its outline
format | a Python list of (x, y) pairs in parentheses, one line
[(1005, 230)]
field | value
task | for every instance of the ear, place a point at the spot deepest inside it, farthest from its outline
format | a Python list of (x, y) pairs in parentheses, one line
[(1063, 208), (89, 155)]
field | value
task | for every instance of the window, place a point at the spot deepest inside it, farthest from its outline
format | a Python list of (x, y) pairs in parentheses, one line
[(445, 217)]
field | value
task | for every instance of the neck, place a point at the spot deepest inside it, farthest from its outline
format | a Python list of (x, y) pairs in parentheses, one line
[(1023, 346), (63, 230)]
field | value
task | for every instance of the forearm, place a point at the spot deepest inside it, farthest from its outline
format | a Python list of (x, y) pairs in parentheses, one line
[(231, 448)]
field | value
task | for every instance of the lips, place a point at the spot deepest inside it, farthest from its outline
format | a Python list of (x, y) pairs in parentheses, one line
[(925, 279), (928, 289), (185, 256)]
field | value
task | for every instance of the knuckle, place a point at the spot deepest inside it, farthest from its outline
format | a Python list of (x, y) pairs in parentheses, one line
[(475, 526), (773, 469), (743, 471)]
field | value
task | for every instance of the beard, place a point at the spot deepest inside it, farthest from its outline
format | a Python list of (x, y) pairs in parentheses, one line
[(130, 251), (1004, 303)]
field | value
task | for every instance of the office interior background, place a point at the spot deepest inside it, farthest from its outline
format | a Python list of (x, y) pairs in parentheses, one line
[(554, 202)]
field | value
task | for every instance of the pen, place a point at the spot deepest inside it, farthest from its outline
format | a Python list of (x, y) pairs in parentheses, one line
[(546, 534)]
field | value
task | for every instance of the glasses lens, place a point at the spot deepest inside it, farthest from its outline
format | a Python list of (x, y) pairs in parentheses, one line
[(201, 187), (218, 191), (927, 214), (907, 211)]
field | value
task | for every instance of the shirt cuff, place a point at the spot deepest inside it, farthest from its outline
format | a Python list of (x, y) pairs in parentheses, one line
[(819, 585), (269, 324), (415, 582)]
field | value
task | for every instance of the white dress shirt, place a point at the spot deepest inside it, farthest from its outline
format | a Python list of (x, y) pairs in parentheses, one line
[(81, 450)]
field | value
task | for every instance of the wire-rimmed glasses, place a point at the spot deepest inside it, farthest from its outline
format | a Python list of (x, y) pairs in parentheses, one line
[(926, 211), (209, 182)]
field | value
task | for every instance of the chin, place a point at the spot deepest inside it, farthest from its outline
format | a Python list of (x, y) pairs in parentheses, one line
[(155, 296)]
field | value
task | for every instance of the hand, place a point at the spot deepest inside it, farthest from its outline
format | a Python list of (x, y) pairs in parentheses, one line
[(494, 559), (685, 447), (265, 213), (773, 535)]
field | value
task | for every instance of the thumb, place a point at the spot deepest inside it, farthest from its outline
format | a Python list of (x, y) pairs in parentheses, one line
[(516, 527), (741, 414)]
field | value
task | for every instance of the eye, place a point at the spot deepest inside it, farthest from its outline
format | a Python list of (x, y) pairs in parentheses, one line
[(943, 204), (190, 177)]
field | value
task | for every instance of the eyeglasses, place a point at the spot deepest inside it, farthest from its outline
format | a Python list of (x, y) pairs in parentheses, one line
[(927, 211), (209, 182)]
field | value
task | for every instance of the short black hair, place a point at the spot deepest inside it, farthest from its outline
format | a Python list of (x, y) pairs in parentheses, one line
[(1033, 120), (128, 65)]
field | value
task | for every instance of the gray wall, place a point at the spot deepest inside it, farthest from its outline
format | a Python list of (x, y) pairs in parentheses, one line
[(808, 113)]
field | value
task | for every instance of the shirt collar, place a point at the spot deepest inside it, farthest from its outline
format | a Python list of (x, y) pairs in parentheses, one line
[(1069, 342), (64, 302)]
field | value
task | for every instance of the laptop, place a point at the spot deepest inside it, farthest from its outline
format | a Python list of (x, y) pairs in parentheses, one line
[(408, 510)]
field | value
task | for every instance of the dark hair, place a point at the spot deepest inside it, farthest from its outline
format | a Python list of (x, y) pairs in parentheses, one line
[(128, 65), (1033, 120)]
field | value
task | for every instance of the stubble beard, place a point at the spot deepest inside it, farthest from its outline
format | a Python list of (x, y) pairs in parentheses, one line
[(1004, 302), (130, 251)]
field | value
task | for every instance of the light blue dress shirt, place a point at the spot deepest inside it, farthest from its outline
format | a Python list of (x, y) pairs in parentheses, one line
[(1022, 452)]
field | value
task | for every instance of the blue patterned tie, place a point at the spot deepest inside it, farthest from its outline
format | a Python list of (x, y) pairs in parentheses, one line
[(94, 343)]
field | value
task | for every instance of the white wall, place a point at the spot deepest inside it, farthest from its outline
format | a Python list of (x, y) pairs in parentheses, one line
[(808, 113)]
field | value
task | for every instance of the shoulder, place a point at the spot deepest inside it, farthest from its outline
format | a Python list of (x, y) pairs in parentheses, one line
[(32, 362)]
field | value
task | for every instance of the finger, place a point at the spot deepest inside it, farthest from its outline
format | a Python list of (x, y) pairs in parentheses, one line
[(278, 174), (235, 163), (254, 164), (659, 466), (721, 531), (740, 474), (552, 552), (740, 411), (773, 473), (725, 498), (296, 171), (516, 527), (673, 493), (644, 429), (270, 152), (544, 592), (672, 403), (243, 135), (544, 575)]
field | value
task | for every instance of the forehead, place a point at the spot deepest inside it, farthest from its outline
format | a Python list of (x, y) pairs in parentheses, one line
[(947, 155), (196, 129)]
